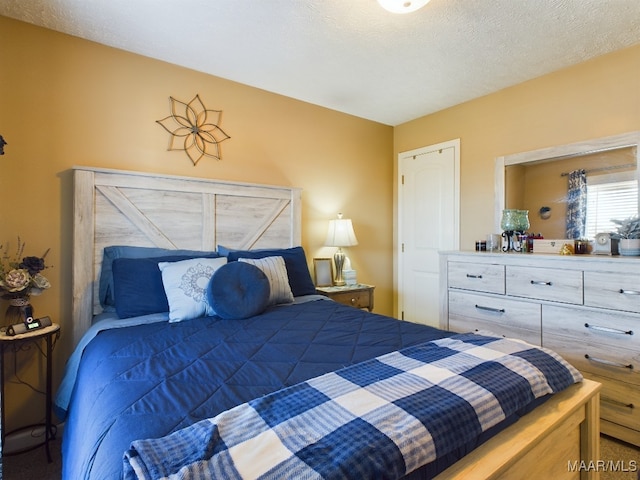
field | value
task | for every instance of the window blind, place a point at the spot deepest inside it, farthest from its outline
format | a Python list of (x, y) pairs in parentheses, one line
[(606, 201)]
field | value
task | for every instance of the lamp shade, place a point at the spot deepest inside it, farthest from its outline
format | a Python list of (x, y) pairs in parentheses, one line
[(402, 6), (340, 233)]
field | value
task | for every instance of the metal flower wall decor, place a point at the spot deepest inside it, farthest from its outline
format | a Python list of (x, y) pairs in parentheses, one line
[(194, 129)]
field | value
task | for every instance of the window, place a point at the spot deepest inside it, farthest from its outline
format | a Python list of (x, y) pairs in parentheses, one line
[(609, 198)]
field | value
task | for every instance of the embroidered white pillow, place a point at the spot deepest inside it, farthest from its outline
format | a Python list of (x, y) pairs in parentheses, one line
[(276, 271), (185, 284)]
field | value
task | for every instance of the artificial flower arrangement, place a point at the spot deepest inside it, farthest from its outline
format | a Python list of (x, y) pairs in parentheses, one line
[(20, 275)]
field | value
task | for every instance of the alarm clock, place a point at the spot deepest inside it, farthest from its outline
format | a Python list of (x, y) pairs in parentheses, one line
[(605, 245)]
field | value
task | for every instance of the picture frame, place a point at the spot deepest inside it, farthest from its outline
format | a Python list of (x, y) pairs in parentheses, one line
[(323, 272)]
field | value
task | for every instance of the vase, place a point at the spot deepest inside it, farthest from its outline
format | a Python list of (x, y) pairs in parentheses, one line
[(629, 247), (509, 220), (514, 223), (522, 220), (18, 310)]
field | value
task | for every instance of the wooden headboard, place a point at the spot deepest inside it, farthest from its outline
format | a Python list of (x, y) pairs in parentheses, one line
[(116, 207)]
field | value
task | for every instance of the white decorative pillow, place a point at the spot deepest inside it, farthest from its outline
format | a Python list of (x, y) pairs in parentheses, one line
[(185, 284), (276, 271)]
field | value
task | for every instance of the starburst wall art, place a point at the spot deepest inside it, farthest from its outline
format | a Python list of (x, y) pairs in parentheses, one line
[(194, 129)]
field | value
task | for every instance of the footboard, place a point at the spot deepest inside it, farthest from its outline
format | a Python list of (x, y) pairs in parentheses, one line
[(557, 440)]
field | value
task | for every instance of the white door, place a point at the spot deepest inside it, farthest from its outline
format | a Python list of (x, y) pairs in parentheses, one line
[(428, 221)]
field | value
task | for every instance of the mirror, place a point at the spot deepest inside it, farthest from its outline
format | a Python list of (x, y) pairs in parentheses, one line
[(538, 181)]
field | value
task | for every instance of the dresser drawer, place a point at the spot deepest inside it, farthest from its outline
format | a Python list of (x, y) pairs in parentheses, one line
[(593, 341), (612, 290), (509, 318), (619, 402), (545, 284), (615, 330), (480, 277), (620, 364)]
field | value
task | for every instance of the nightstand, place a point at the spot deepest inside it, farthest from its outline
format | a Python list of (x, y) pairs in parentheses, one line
[(358, 295), (24, 342)]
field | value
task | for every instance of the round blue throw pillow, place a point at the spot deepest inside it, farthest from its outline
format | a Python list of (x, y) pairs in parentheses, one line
[(238, 290)]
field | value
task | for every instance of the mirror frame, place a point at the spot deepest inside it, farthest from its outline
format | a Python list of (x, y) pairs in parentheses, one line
[(614, 142)]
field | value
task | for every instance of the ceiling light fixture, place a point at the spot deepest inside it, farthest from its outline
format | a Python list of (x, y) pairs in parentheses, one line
[(402, 6)]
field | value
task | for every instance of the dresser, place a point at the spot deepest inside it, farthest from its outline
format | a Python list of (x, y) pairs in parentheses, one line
[(585, 307)]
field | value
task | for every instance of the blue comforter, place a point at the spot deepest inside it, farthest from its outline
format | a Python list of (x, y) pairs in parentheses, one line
[(382, 418), (146, 381)]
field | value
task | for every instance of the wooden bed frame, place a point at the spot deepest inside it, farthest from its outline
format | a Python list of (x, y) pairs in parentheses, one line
[(559, 439)]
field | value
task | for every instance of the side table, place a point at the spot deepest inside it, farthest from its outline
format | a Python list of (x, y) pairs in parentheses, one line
[(359, 295), (49, 335)]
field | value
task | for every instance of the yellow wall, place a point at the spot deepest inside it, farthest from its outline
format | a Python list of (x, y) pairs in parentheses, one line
[(66, 101), (594, 99)]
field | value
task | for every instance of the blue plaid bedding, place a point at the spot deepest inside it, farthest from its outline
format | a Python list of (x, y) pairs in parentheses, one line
[(381, 418)]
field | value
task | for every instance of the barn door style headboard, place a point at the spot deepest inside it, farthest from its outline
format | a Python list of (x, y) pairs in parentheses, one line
[(117, 207)]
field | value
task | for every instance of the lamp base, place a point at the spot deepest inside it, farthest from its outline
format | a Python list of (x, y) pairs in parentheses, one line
[(338, 259)]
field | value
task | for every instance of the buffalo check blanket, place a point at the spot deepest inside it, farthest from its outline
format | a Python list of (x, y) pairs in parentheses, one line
[(382, 418)]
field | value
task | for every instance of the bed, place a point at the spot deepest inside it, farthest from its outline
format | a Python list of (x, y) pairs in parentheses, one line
[(139, 376)]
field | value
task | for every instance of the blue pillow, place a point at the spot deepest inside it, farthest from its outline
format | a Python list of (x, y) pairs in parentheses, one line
[(238, 290), (137, 285), (294, 259), (110, 253)]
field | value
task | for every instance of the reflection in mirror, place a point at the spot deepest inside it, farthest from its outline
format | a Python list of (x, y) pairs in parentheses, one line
[(610, 190), (572, 191)]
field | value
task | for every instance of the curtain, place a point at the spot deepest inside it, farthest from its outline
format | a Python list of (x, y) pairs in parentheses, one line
[(577, 204)]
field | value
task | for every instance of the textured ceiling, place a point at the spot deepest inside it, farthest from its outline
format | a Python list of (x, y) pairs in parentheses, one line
[(351, 55)]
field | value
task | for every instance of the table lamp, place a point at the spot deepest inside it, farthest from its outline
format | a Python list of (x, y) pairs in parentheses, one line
[(340, 234)]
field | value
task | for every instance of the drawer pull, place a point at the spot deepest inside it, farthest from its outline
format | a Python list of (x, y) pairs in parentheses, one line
[(608, 362), (617, 402), (490, 309), (534, 282), (629, 292), (469, 275), (608, 329)]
